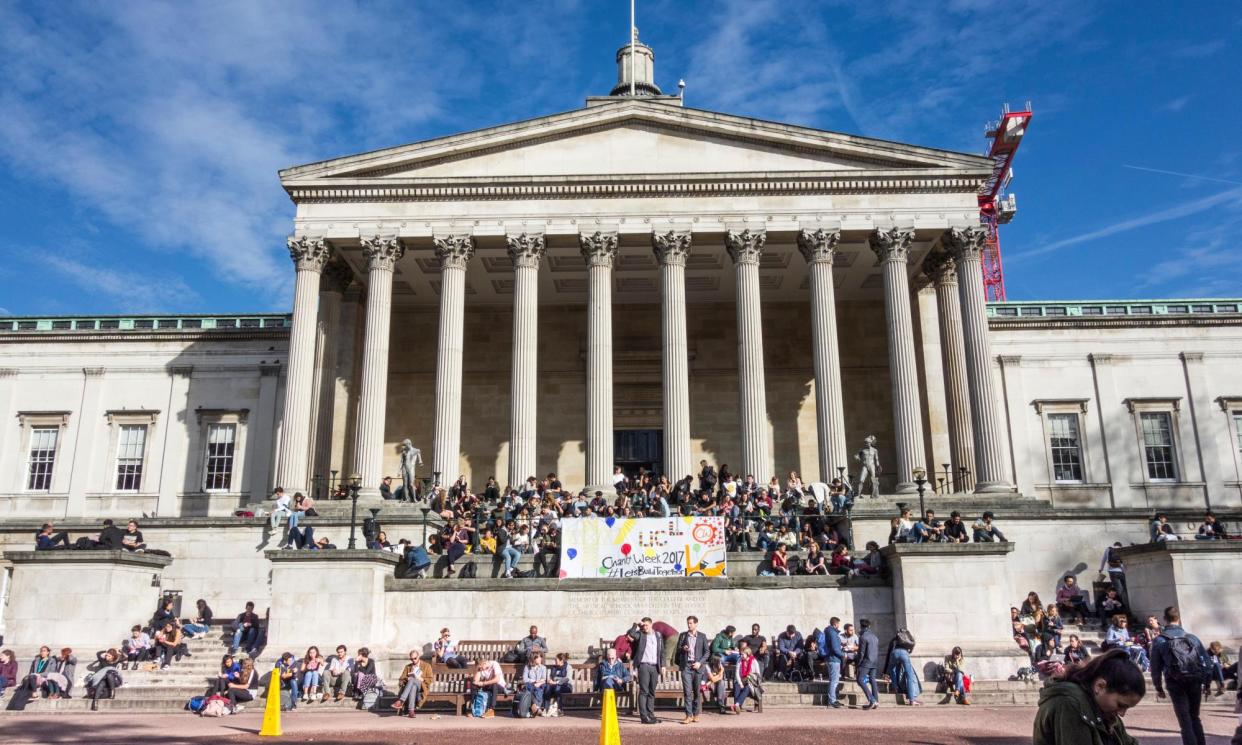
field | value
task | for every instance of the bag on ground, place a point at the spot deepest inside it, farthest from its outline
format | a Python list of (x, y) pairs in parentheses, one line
[(370, 699), (196, 704), (216, 706), (478, 707)]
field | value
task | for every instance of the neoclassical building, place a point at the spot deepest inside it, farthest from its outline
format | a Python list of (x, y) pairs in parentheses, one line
[(631, 283)]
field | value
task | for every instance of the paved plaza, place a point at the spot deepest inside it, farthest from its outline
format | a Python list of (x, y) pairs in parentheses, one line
[(1151, 723)]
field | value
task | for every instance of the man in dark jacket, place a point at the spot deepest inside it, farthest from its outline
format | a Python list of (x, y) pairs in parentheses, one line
[(834, 655), (646, 643), (868, 662), (111, 538), (691, 659), (1179, 665)]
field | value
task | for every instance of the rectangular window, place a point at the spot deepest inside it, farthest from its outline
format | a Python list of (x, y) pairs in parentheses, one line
[(1158, 445), (1066, 448), (130, 447), (1237, 429), (42, 458), (221, 439)]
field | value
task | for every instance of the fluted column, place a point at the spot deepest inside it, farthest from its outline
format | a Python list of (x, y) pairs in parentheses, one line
[(966, 245), (746, 248), (672, 249), (819, 248), (942, 270), (599, 250), (892, 247), (382, 256), (454, 253), (526, 251), (336, 277), (309, 257)]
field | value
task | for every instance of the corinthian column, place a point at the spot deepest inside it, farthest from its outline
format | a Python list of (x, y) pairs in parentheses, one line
[(746, 248), (382, 256), (966, 245), (526, 251), (336, 277), (309, 256), (599, 250), (454, 253), (892, 247), (942, 270), (820, 249), (671, 249)]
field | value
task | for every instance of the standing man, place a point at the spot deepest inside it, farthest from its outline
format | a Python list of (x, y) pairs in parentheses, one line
[(1179, 665), (868, 662), (646, 643), (692, 661), (834, 654)]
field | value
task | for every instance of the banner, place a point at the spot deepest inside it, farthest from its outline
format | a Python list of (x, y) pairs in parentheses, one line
[(615, 547)]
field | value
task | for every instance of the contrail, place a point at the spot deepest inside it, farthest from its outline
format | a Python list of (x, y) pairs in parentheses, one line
[(1183, 175)]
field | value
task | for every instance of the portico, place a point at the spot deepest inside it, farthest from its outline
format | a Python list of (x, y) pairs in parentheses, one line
[(622, 243)]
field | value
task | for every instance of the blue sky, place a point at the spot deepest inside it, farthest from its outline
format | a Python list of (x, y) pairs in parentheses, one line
[(139, 142)]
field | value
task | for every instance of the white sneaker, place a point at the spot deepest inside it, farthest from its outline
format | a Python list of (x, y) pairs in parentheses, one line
[(238, 709)]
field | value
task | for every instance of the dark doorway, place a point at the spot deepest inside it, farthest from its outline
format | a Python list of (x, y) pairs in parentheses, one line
[(635, 449)]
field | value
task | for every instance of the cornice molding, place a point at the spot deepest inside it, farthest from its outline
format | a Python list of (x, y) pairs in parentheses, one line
[(1095, 322)]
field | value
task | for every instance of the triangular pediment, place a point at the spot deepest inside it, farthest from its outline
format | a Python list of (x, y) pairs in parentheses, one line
[(633, 137)]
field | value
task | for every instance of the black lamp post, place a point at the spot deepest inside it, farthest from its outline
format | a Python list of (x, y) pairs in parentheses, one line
[(920, 482), (355, 483), (332, 482), (946, 479), (425, 510)]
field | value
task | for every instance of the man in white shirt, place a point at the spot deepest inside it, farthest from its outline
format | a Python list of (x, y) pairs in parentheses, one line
[(646, 643), (338, 674), (281, 508), (489, 678)]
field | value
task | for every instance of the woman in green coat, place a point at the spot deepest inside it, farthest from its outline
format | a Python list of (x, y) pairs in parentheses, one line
[(1084, 706)]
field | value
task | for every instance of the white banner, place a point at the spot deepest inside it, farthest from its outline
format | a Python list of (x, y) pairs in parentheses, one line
[(613, 547)]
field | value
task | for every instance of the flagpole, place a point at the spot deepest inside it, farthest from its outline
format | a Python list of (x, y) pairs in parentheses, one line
[(632, 41)]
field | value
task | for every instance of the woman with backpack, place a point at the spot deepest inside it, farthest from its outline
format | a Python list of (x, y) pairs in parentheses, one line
[(901, 672), (1086, 703)]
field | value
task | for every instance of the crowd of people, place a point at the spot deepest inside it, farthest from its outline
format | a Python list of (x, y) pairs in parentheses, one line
[(109, 538)]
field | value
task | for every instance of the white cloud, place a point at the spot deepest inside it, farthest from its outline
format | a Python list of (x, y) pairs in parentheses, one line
[(130, 292), (1176, 104)]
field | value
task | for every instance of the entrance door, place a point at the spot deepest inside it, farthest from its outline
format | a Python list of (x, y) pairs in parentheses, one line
[(635, 449)]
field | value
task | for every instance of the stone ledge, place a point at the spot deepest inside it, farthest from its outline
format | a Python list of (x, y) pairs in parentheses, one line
[(335, 555), (946, 549), (655, 584), (88, 556), (1180, 547)]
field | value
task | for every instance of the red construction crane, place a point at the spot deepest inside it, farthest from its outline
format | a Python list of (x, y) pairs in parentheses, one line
[(995, 206)]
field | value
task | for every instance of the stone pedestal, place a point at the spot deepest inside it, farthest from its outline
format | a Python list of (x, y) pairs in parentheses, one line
[(85, 600), (330, 597), (956, 594), (1200, 577)]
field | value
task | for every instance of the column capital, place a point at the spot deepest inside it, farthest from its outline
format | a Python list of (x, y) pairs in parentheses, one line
[(819, 246), (599, 249), (671, 248), (892, 244), (309, 254), (454, 251), (337, 275), (382, 252), (940, 268), (745, 247), (965, 243), (527, 249)]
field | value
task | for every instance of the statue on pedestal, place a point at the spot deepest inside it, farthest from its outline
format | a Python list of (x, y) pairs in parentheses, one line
[(411, 459), (869, 458)]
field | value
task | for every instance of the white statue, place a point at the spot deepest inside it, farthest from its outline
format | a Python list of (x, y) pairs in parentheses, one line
[(869, 457), (411, 459)]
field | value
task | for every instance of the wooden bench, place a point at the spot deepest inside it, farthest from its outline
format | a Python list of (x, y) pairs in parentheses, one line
[(449, 685), (485, 649)]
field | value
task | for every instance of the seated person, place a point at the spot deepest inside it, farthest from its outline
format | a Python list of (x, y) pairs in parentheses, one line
[(535, 682), (723, 646), (490, 679), (411, 685), (810, 659), (137, 648), (927, 530), (985, 531), (780, 560), (170, 645), (131, 539), (245, 631), (560, 682), (789, 647), (531, 644), (1211, 529), (814, 562), (106, 677), (202, 620), (1118, 637), (955, 529), (1070, 600), (242, 687), (1110, 606), (444, 650), (338, 674), (164, 614), (365, 677), (289, 672), (111, 537), (611, 673), (713, 685), (1075, 652), (48, 540), (1032, 604)]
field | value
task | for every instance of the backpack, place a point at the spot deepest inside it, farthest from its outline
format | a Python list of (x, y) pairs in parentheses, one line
[(905, 640), (216, 706), (1185, 664), (196, 704), (469, 571), (478, 707)]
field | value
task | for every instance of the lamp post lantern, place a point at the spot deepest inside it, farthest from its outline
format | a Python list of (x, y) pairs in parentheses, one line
[(920, 482), (355, 483)]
